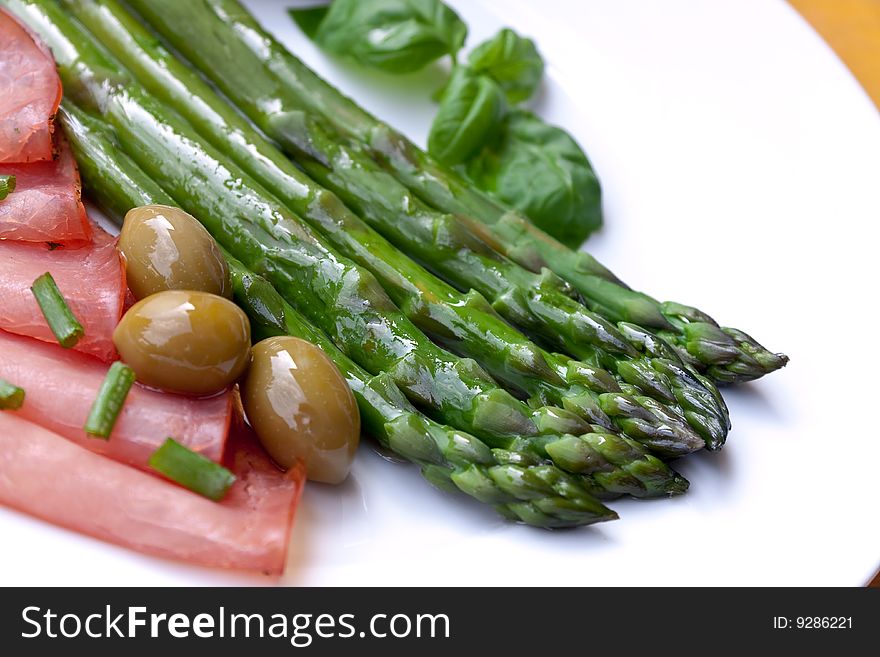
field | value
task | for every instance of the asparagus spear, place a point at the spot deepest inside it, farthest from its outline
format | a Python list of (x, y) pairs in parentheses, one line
[(537, 494), (500, 477), (438, 309), (344, 300), (725, 355)]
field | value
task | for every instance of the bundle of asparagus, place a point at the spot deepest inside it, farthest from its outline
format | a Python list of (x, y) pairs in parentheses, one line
[(328, 250)]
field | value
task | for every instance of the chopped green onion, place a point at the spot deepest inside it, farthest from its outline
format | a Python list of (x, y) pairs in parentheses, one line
[(11, 396), (111, 397), (7, 186), (58, 314), (191, 470)]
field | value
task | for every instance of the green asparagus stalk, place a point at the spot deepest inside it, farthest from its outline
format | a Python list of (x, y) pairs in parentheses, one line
[(448, 316), (536, 493), (725, 355), (344, 300)]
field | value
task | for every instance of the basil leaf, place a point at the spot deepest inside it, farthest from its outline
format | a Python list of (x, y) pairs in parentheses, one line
[(308, 19), (397, 36), (512, 61), (541, 171), (469, 117)]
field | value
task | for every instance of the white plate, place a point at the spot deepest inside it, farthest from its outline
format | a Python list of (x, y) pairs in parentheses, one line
[(740, 163)]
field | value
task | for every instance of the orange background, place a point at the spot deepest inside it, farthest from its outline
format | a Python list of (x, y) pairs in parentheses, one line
[(852, 28)]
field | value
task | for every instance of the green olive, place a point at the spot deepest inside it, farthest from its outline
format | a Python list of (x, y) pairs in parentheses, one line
[(184, 341), (167, 249), (301, 408)]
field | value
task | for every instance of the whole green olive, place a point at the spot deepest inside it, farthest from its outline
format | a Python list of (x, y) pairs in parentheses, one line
[(165, 248), (184, 341), (301, 408)]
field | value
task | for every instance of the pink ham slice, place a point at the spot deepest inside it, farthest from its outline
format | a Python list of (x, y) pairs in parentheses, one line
[(46, 204), (91, 279), (44, 475), (60, 386), (30, 92)]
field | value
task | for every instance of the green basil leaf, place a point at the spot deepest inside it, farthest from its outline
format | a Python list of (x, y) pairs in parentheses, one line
[(309, 19), (397, 36), (512, 61), (469, 117), (541, 171)]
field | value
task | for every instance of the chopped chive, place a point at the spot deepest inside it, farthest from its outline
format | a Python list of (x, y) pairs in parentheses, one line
[(191, 470), (108, 403), (7, 186), (58, 314), (11, 396)]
